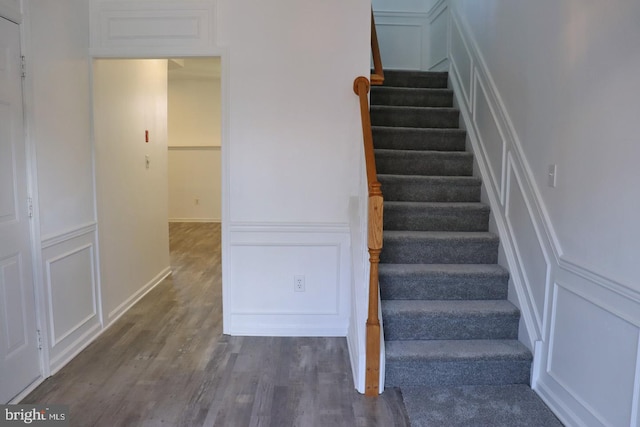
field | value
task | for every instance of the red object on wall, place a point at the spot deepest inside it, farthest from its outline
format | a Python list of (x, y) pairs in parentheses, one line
[(146, 136)]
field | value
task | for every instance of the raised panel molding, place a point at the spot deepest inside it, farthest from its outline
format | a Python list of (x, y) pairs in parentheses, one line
[(607, 341), (533, 261), (438, 30), (152, 27), (71, 288), (10, 9), (62, 273), (460, 60), (585, 327), (403, 39), (263, 301)]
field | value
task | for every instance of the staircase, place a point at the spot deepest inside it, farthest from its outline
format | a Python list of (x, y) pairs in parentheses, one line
[(446, 317)]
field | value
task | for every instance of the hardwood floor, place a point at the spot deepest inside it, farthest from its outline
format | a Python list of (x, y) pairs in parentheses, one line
[(166, 363)]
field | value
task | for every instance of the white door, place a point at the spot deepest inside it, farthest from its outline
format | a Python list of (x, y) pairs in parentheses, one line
[(19, 354)]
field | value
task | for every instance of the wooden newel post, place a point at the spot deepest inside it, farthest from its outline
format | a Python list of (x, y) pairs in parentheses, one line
[(374, 239), (372, 377)]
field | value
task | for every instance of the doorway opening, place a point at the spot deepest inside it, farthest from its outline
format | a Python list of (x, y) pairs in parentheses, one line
[(157, 157)]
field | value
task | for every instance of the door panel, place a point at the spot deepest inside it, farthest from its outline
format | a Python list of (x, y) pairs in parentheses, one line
[(19, 354)]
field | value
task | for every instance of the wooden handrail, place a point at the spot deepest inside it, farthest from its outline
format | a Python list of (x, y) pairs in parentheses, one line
[(374, 235), (377, 77)]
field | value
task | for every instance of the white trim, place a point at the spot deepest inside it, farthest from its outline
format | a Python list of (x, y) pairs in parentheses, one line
[(292, 227), (121, 309), (204, 220), (434, 9), (75, 348), (71, 233), (561, 410), (592, 276), (193, 148), (412, 16)]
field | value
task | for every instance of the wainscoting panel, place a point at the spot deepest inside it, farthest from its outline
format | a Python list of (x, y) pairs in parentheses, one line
[(153, 24), (585, 327), (71, 292), (489, 134), (438, 30), (264, 261), (606, 343), (532, 260), (403, 38), (461, 62)]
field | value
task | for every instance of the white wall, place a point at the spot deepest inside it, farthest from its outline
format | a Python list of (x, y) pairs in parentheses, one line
[(195, 192), (195, 186), (555, 84), (412, 34), (130, 96), (58, 120), (295, 137), (290, 137)]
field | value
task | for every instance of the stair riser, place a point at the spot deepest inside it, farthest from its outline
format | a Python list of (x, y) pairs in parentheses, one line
[(421, 191), (418, 288), (419, 139), (482, 372), (435, 220), (414, 117), (421, 164), (404, 79), (411, 98), (424, 326), (441, 251)]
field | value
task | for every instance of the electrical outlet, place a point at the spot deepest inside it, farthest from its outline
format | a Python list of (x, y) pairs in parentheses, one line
[(298, 283)]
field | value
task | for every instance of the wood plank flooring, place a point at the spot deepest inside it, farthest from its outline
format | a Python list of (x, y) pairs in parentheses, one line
[(166, 363)]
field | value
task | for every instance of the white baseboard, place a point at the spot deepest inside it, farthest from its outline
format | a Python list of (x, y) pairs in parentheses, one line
[(115, 314), (216, 220)]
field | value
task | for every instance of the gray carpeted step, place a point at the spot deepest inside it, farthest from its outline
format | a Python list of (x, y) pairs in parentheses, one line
[(415, 117), (449, 320), (417, 97), (435, 216), (431, 163), (401, 78), (401, 138), (443, 282), (456, 362), (439, 247), (511, 405), (430, 188)]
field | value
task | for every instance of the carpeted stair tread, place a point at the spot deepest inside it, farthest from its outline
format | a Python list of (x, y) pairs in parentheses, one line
[(456, 362), (436, 216), (430, 163), (439, 247), (416, 117), (430, 188), (406, 138), (511, 405), (449, 320), (417, 97), (400, 78), (448, 350), (443, 281)]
